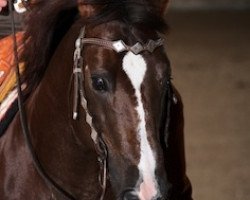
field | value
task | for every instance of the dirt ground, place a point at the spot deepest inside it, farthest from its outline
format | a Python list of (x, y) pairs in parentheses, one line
[(210, 56)]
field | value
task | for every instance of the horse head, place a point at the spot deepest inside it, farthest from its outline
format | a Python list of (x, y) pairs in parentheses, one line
[(120, 94), (126, 72)]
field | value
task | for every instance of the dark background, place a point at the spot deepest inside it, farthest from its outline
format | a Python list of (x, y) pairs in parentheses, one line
[(209, 48)]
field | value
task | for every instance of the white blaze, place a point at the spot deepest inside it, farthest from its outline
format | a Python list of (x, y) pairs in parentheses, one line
[(135, 67)]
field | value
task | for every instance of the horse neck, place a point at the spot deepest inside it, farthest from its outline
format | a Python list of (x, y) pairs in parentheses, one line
[(63, 146)]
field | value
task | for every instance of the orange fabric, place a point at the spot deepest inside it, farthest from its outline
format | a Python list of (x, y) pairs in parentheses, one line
[(9, 82), (7, 55)]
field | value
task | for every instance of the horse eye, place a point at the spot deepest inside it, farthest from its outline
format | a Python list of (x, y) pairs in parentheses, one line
[(99, 84)]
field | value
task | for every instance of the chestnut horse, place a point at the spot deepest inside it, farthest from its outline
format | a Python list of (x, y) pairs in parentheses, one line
[(103, 119)]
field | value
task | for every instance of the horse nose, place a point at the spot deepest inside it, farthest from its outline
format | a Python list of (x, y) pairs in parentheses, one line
[(129, 195)]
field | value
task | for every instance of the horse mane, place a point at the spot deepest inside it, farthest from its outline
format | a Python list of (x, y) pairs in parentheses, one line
[(49, 20), (45, 25)]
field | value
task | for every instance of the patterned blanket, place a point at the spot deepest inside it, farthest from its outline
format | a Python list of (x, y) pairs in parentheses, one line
[(8, 93)]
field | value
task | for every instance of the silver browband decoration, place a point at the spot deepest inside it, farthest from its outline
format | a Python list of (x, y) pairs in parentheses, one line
[(119, 45)]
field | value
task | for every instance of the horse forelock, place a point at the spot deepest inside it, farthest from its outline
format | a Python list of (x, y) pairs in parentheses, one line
[(130, 11)]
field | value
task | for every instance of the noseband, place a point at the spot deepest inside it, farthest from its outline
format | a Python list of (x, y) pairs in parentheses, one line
[(79, 94)]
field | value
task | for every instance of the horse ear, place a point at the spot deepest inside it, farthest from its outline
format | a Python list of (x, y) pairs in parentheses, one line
[(162, 5), (87, 10)]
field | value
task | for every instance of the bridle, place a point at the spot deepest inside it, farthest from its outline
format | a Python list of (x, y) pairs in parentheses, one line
[(79, 96), (117, 46)]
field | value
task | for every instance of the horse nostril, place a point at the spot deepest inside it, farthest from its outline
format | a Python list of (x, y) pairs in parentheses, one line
[(129, 195)]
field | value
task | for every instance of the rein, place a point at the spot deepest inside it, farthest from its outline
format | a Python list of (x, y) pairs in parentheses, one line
[(23, 118)]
